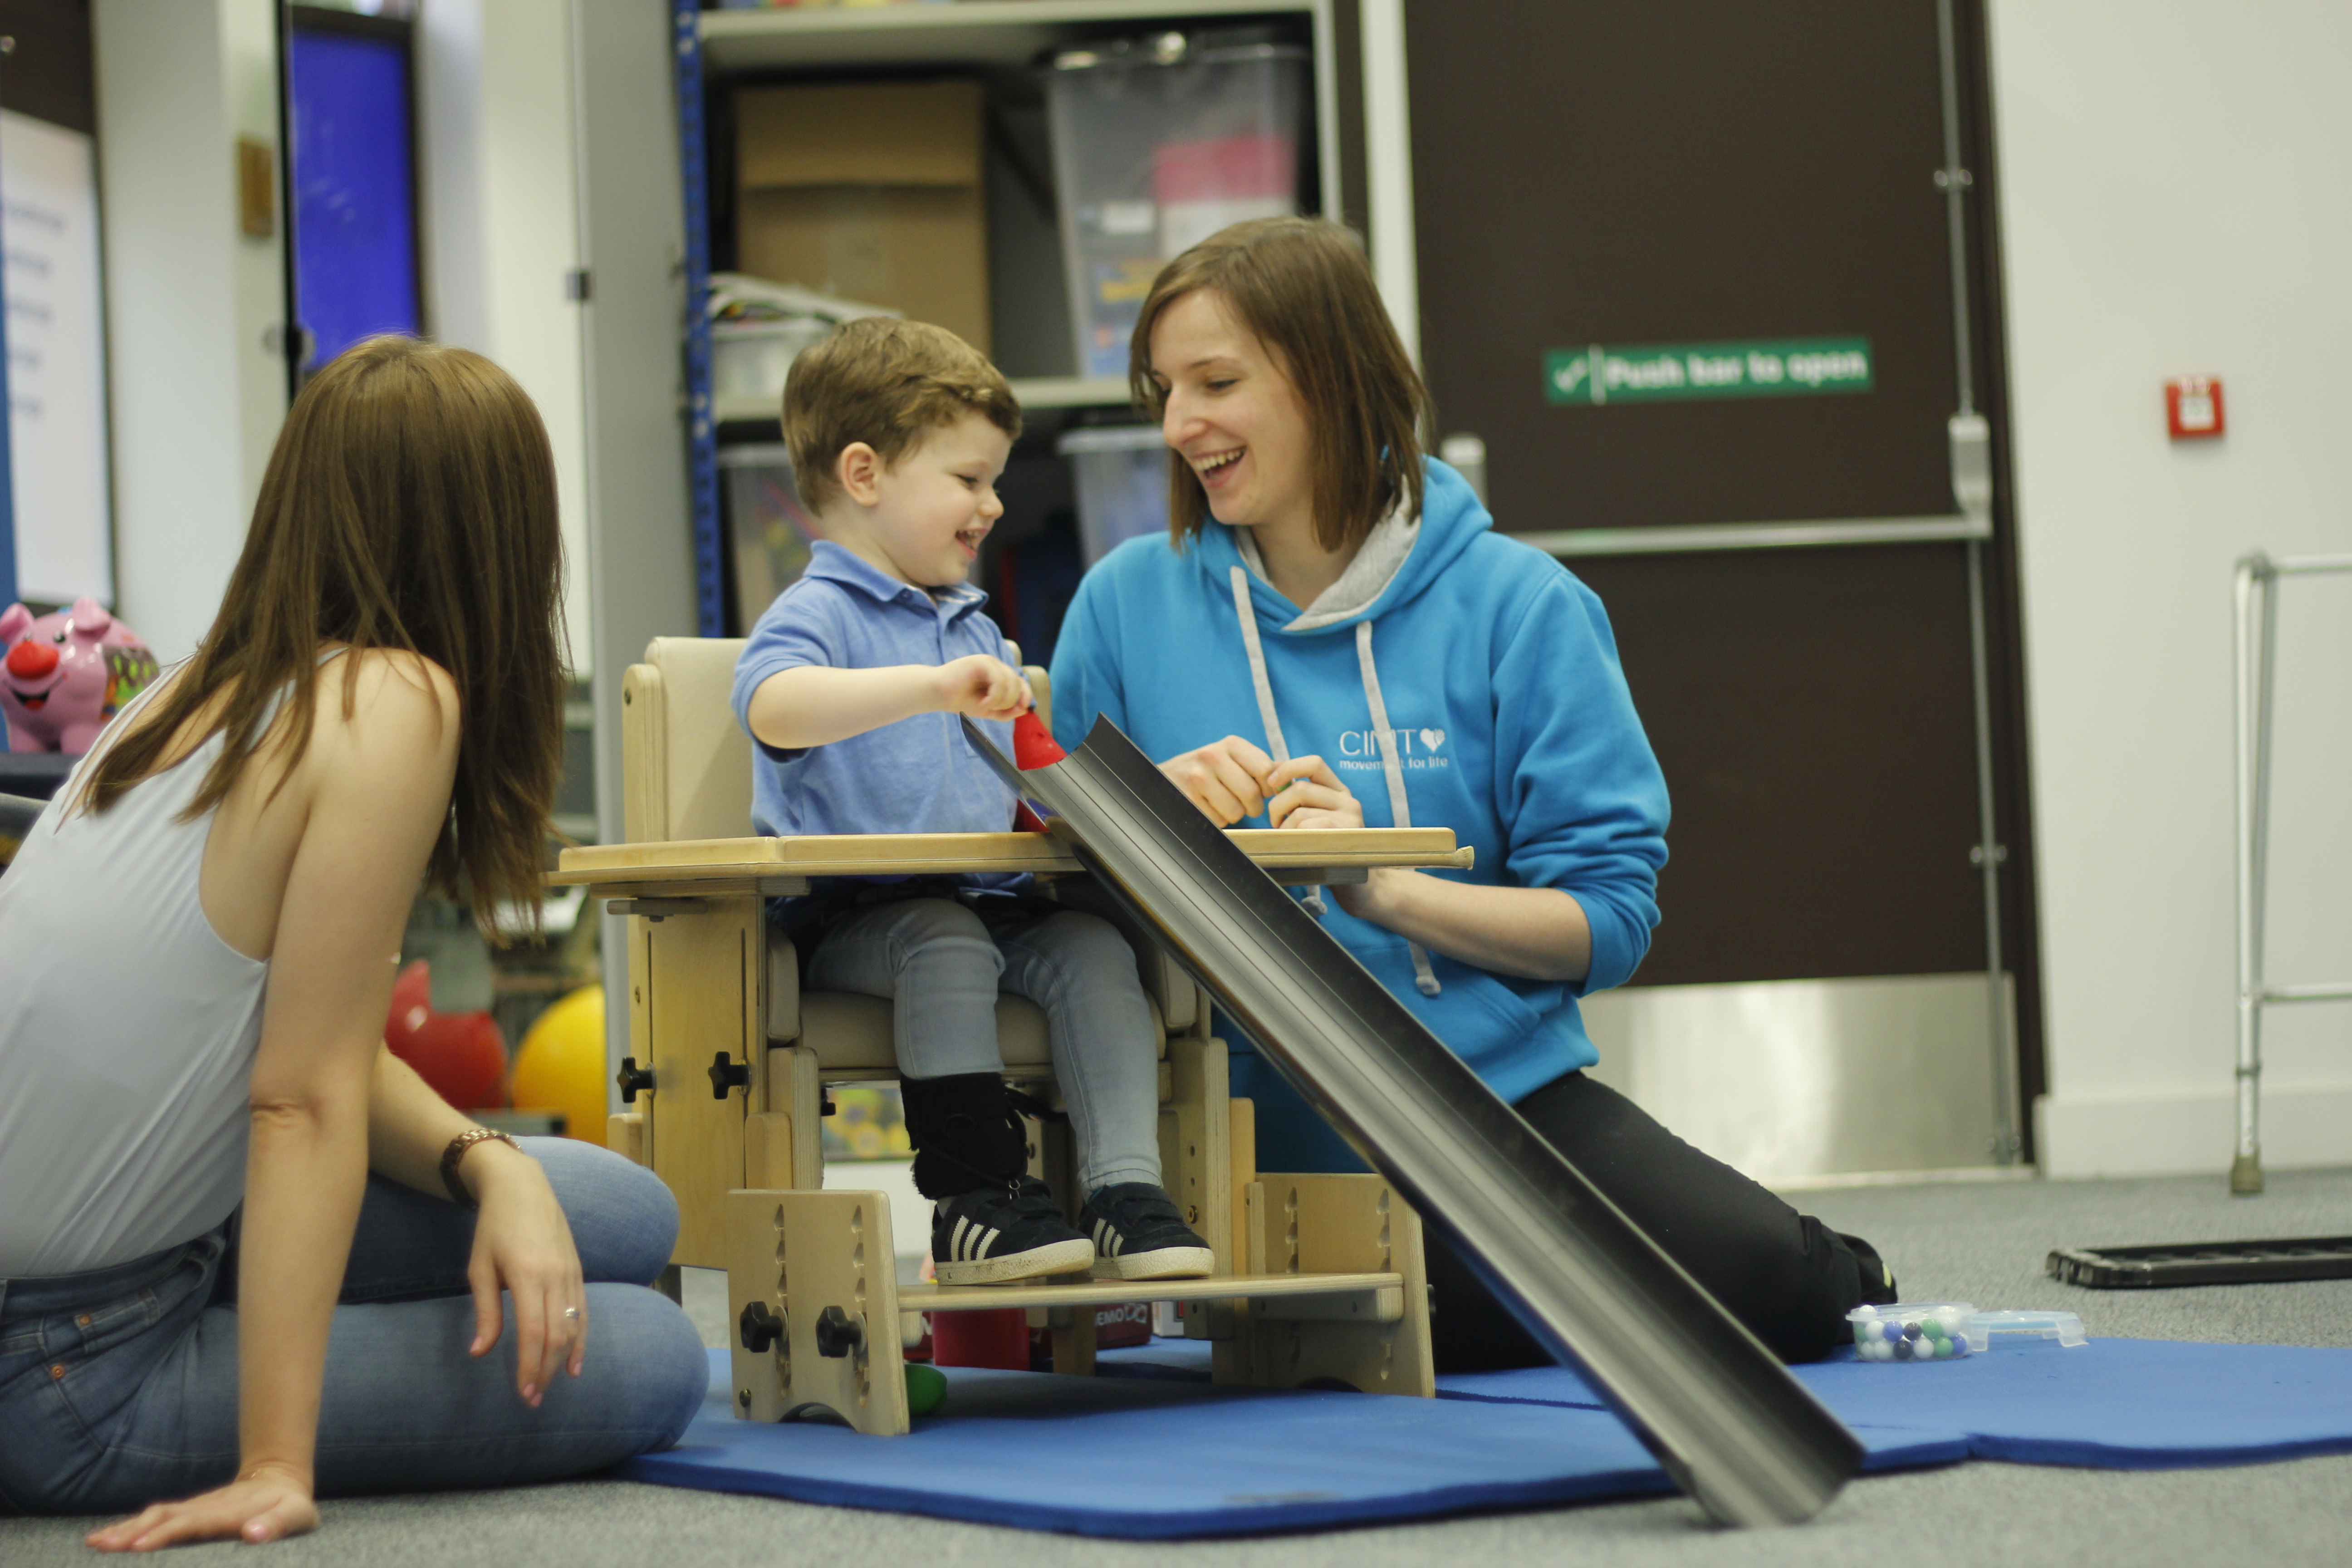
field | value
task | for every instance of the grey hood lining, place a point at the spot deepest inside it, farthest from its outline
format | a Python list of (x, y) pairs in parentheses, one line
[(1378, 560)]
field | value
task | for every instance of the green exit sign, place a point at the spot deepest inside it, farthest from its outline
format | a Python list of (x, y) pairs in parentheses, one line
[(1665, 372)]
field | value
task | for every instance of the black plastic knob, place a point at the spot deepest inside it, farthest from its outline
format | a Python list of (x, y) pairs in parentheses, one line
[(760, 1327), (838, 1333), (633, 1077), (725, 1075)]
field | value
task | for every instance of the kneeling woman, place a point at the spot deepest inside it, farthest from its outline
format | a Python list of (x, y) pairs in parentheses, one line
[(1328, 591), (201, 933)]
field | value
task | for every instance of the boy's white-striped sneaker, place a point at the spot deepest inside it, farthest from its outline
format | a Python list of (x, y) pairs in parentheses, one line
[(1138, 1232), (998, 1235)]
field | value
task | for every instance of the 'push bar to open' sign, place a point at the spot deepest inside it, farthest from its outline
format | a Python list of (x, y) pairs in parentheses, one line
[(1658, 372)]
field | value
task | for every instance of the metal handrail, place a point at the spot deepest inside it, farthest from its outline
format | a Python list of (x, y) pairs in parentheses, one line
[(2254, 655), (1683, 539)]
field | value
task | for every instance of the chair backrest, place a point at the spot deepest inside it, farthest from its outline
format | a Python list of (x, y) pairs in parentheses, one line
[(687, 764)]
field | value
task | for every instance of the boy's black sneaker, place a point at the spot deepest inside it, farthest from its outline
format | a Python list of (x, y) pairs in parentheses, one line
[(1000, 1234), (1139, 1234)]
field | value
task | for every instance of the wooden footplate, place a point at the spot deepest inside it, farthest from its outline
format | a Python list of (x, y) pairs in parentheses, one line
[(820, 1320)]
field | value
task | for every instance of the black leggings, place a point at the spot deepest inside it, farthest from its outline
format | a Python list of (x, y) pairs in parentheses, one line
[(1787, 1276)]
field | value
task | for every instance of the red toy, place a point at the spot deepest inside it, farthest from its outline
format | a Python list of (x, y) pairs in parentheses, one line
[(994, 1336), (461, 1055), (1033, 745)]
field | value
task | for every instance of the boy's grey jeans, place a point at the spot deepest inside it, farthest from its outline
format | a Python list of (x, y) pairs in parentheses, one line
[(941, 965)]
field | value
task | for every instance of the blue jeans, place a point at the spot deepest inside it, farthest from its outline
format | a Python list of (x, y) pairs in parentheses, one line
[(118, 1387), (941, 965)]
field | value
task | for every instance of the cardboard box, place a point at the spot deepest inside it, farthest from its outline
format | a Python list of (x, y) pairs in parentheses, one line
[(871, 191)]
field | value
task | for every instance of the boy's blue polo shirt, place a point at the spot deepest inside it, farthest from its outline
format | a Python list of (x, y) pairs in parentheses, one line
[(918, 776)]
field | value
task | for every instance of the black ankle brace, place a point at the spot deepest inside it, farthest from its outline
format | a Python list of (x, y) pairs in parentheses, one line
[(966, 1133)]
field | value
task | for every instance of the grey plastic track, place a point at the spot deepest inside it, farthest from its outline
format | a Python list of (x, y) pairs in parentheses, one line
[(1709, 1401)]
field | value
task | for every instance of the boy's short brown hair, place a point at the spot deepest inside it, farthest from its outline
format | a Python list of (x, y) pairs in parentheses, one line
[(889, 383)]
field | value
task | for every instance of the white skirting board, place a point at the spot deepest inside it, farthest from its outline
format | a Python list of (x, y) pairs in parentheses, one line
[(2183, 1132)]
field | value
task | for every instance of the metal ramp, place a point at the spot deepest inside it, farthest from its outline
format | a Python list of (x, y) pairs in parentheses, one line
[(1715, 1407)]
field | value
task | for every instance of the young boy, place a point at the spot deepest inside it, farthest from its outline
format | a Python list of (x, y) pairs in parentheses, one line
[(854, 686)]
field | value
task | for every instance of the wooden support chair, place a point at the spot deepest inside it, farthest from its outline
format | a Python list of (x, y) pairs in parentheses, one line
[(725, 1085)]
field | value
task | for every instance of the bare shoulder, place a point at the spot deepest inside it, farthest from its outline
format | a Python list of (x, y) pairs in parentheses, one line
[(389, 686), (386, 709)]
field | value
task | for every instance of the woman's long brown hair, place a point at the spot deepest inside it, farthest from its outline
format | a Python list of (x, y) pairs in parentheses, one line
[(1302, 287), (409, 504)]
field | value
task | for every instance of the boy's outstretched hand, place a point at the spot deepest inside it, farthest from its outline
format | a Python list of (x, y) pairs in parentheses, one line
[(979, 687)]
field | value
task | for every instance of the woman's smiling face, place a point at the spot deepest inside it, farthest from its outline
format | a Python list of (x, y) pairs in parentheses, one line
[(1231, 413)]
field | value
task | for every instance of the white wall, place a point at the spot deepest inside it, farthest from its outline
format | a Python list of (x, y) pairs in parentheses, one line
[(196, 391), (503, 224), (2174, 203)]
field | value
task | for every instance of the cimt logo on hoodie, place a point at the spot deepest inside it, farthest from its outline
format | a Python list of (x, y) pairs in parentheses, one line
[(1359, 750)]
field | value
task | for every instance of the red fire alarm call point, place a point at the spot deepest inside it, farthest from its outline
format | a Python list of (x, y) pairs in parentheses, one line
[(2193, 406)]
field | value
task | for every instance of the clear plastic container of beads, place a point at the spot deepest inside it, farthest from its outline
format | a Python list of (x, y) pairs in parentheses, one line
[(1912, 1330)]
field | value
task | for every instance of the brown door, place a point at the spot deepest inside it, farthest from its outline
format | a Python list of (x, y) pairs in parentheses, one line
[(1607, 175)]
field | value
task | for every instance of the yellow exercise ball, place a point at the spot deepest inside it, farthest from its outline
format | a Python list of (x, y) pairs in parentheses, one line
[(561, 1064)]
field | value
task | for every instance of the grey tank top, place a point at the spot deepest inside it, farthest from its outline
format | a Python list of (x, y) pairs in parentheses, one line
[(127, 1032)]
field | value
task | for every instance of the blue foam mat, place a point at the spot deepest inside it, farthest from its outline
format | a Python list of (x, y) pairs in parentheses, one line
[(1153, 1452), (1163, 1459), (2112, 1403)]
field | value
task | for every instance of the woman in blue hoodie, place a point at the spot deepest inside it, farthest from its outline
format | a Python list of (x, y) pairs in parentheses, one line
[(1334, 636)]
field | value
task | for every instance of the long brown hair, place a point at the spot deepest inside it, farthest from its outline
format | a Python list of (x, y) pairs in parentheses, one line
[(409, 504), (1302, 287)]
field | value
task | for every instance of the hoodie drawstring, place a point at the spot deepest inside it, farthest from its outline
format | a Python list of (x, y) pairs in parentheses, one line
[(1423, 976), (1313, 902)]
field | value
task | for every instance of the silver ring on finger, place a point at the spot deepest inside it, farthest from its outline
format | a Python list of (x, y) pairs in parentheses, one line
[(572, 1313)]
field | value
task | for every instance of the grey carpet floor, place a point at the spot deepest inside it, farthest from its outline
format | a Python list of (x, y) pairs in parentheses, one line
[(1978, 1241)]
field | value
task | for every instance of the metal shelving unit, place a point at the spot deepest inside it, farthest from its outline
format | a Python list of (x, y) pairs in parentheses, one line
[(980, 34), (970, 32), (1035, 392)]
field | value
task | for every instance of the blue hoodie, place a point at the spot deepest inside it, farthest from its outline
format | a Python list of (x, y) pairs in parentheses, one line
[(1511, 720)]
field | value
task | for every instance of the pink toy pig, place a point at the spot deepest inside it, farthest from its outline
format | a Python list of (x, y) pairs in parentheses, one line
[(67, 674)]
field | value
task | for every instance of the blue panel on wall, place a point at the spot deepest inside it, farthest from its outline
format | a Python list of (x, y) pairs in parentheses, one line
[(354, 190)]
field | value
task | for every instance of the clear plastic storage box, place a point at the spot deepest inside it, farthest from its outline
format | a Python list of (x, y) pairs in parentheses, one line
[(1157, 144), (2039, 1323), (749, 360), (1912, 1330), (1122, 473), (769, 530), (1949, 1330)]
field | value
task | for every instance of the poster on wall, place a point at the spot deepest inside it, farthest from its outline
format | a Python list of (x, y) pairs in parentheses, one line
[(56, 378)]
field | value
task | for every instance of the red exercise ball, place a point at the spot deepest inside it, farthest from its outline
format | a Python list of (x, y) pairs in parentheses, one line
[(461, 1055)]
